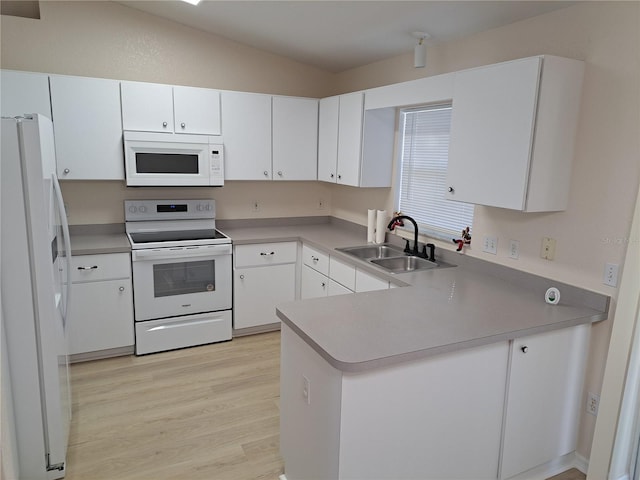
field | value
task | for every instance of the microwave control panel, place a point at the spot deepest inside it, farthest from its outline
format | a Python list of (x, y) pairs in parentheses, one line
[(216, 162)]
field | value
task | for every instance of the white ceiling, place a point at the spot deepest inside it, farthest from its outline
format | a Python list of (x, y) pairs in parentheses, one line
[(339, 35)]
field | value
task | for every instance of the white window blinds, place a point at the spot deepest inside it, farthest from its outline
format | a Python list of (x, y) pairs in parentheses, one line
[(425, 152)]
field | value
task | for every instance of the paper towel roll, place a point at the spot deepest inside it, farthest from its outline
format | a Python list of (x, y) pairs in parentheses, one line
[(381, 226), (371, 226)]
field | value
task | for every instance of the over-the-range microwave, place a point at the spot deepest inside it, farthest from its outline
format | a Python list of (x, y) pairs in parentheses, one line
[(173, 159)]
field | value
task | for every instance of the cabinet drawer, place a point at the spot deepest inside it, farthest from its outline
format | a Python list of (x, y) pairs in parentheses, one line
[(336, 289), (313, 284), (315, 259), (179, 332), (342, 273), (261, 254), (92, 268)]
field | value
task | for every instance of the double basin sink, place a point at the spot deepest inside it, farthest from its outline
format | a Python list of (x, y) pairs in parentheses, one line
[(392, 258)]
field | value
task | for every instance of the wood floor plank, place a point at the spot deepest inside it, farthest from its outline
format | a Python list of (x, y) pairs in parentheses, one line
[(209, 412)]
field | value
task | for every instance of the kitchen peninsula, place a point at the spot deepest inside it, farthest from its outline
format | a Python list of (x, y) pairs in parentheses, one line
[(440, 379)]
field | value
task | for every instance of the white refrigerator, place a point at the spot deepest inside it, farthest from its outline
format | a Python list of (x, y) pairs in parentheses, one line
[(35, 251)]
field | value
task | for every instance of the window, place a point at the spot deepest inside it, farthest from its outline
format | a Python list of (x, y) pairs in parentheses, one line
[(423, 163)]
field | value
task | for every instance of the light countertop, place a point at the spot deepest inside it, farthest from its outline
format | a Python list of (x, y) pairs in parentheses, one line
[(435, 311)]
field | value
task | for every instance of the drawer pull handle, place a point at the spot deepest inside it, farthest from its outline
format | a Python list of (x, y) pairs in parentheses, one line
[(121, 289), (95, 267), (315, 259), (267, 254)]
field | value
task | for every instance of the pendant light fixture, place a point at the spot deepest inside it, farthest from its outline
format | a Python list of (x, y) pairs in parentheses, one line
[(420, 49)]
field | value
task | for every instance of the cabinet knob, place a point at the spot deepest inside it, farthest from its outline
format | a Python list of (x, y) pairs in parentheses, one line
[(332, 175), (339, 177), (280, 173), (323, 284), (66, 171), (182, 125), (241, 277), (524, 349), (121, 289), (266, 174), (164, 124), (451, 189)]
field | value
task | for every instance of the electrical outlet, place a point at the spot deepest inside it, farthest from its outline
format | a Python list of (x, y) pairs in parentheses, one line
[(490, 245), (611, 274), (255, 206), (548, 251), (514, 249), (593, 401), (306, 389)]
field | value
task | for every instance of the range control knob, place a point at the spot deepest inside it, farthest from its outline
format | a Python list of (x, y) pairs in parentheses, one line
[(133, 209), (142, 209)]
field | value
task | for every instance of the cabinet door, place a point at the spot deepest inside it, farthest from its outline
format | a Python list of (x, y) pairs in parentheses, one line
[(24, 92), (328, 139), (295, 138), (88, 128), (147, 107), (343, 273), (246, 126), (543, 399), (258, 290), (101, 316), (313, 284), (350, 138), (492, 128), (196, 110)]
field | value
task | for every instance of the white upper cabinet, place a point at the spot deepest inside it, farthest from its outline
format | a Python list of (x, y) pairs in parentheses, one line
[(154, 107), (355, 146), (328, 139), (246, 126), (196, 110), (24, 92), (350, 117), (87, 127), (513, 132), (295, 138)]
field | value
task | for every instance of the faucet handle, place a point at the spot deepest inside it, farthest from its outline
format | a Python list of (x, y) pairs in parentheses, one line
[(432, 252), (407, 247)]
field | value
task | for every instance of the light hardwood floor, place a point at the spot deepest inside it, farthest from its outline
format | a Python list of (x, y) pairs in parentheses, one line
[(209, 412)]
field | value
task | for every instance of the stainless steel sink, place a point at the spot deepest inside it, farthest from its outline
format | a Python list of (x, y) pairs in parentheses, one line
[(404, 264), (373, 251), (392, 258)]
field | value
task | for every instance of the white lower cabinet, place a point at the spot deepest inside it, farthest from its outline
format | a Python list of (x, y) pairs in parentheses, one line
[(488, 412), (324, 275), (101, 309), (264, 275), (543, 398)]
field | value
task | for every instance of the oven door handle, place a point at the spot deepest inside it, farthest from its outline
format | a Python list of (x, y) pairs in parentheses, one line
[(180, 252)]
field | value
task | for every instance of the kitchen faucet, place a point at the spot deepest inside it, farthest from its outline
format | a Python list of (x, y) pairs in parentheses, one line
[(407, 248)]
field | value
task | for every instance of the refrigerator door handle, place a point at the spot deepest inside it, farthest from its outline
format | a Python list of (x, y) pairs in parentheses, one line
[(67, 243)]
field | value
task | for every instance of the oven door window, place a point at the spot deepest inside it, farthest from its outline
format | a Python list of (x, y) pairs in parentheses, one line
[(182, 278)]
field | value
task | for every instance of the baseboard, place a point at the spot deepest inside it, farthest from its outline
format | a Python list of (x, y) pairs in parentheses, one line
[(100, 354), (581, 463), (554, 467), (241, 332)]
